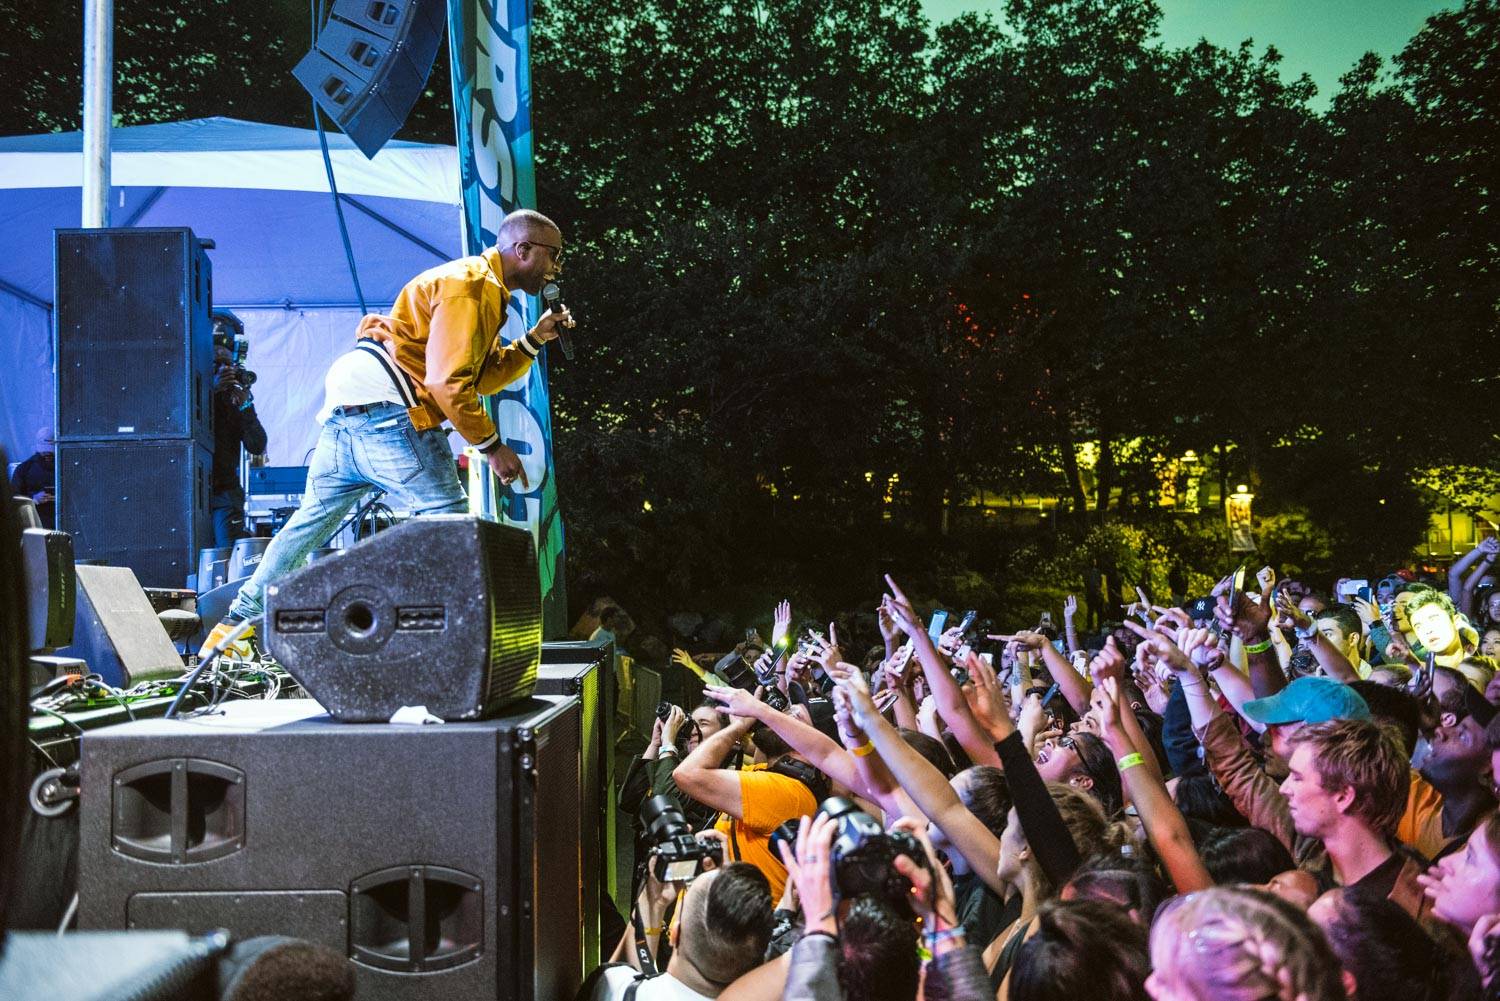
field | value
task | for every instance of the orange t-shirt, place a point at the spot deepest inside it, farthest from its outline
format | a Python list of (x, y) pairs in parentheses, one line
[(767, 800), (1421, 825)]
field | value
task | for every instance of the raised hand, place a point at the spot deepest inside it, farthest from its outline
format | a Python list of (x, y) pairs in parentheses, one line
[(1164, 649), (1154, 687), (861, 703), (931, 895), (797, 668), (900, 608), (1247, 619), (1033, 715), (675, 721), (1025, 638), (826, 651), (839, 669), (843, 715), (1176, 618), (988, 698), (1201, 647), (1111, 726), (1266, 577), (1109, 662), (1070, 607), (899, 667), (812, 870), (889, 630), (781, 624), (1288, 607), (736, 701), (1366, 611)]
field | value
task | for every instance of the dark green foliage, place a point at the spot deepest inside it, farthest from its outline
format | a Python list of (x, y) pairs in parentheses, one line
[(816, 246)]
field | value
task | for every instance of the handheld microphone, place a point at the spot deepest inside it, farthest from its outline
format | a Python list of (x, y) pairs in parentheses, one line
[(552, 296)]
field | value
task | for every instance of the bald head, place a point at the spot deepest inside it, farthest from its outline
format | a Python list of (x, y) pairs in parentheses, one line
[(527, 224)]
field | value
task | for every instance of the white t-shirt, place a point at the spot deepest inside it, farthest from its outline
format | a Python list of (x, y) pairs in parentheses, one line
[(356, 378), (663, 988)]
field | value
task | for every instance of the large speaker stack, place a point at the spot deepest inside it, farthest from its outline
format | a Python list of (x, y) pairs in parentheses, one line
[(439, 859), (585, 669), (445, 861), (134, 350)]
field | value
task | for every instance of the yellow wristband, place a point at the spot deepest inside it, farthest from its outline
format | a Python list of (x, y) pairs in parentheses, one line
[(1130, 761), (1260, 647), (863, 751)]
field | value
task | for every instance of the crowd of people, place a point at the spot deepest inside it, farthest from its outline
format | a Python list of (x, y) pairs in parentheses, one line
[(1269, 793)]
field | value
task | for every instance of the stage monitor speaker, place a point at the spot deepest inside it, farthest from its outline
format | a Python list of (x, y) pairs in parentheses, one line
[(116, 631), (443, 611), (51, 587), (582, 670), (135, 357), (437, 858), (137, 504), (370, 64)]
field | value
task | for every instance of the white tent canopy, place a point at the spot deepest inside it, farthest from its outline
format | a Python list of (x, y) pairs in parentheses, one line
[(260, 192)]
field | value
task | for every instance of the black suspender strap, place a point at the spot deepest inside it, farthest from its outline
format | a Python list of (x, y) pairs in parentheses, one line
[(398, 378)]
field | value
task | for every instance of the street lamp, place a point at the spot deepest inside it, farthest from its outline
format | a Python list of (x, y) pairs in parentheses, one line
[(1237, 513)]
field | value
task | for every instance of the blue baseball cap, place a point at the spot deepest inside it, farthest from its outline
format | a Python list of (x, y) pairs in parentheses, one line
[(1308, 700)]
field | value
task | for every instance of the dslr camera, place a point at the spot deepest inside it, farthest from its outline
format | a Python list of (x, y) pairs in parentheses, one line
[(863, 853), (738, 674), (676, 856), (229, 335), (663, 710)]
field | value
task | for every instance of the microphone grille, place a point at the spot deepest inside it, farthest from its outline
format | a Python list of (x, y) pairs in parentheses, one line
[(550, 292)]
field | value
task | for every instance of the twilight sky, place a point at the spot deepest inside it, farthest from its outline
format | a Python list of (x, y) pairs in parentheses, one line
[(1320, 37)]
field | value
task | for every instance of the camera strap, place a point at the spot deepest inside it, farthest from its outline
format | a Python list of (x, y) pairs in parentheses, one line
[(642, 953), (734, 842)]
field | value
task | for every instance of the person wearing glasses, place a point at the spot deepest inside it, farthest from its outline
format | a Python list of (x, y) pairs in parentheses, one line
[(411, 374)]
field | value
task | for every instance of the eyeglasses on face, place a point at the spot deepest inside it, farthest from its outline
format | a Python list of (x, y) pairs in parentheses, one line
[(557, 252)]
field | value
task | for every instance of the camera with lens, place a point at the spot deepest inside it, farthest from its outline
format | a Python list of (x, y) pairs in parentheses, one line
[(663, 710), (738, 674), (864, 852), (229, 336), (676, 856)]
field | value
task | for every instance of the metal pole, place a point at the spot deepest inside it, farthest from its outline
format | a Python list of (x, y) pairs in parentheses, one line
[(98, 100)]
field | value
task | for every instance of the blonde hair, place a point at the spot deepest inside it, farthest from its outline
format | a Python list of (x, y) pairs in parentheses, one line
[(1365, 756), (1244, 945)]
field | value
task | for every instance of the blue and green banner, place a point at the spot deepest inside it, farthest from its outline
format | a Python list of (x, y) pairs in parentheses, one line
[(490, 50)]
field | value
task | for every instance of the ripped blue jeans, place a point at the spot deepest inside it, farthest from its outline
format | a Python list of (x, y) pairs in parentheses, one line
[(355, 453)]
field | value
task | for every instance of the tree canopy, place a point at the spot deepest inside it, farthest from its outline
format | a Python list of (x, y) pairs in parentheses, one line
[(839, 268)]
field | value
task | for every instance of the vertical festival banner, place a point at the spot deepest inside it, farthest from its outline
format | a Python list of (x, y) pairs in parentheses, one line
[(490, 52)]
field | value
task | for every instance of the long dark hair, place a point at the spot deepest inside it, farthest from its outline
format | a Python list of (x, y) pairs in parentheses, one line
[(1082, 949)]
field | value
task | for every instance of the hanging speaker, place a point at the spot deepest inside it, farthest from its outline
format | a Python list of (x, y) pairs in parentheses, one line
[(370, 63), (443, 611)]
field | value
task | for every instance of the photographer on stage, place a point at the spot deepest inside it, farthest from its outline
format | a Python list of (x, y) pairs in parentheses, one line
[(235, 425), (386, 401)]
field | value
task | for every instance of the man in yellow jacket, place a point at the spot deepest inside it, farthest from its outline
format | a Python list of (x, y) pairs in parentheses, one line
[(385, 401)]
